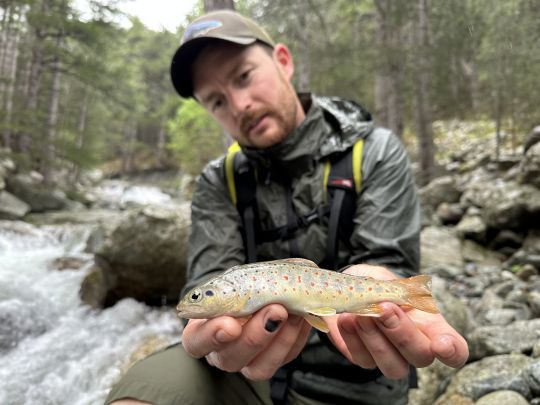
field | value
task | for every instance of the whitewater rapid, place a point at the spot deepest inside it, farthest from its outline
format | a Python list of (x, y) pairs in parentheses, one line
[(54, 349)]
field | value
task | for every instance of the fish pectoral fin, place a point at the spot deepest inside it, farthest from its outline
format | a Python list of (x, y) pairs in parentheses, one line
[(323, 311), (317, 322), (375, 310)]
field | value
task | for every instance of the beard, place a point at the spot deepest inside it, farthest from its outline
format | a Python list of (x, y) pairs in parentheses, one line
[(283, 118)]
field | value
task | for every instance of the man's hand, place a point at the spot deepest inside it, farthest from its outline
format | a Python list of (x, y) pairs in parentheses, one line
[(398, 338), (256, 348)]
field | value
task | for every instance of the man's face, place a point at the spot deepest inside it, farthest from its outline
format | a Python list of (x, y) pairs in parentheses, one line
[(247, 89)]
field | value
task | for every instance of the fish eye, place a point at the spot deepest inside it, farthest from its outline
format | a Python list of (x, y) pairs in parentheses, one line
[(209, 293), (195, 296)]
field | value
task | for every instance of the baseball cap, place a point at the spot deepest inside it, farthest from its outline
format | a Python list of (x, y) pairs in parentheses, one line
[(223, 25)]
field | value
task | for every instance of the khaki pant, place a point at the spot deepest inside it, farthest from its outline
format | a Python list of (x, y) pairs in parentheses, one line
[(172, 377)]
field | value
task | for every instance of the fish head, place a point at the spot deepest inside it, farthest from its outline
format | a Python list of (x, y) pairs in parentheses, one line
[(211, 299)]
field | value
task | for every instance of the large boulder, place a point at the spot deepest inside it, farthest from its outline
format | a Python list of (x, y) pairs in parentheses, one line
[(529, 168), (144, 255), (441, 252), (11, 207), (517, 337), (496, 373), (439, 190), (32, 190)]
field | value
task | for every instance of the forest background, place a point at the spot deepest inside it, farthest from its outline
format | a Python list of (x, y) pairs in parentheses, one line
[(79, 91)]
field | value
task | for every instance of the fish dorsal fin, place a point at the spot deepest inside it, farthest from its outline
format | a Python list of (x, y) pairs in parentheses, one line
[(317, 323), (322, 311), (299, 261)]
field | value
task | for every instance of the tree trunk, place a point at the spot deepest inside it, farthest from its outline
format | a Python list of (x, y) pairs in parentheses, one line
[(388, 79), (129, 147), (161, 146), (10, 87), (52, 118), (4, 48), (422, 77), (212, 5)]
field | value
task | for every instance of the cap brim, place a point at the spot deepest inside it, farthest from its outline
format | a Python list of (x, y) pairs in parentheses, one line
[(186, 54)]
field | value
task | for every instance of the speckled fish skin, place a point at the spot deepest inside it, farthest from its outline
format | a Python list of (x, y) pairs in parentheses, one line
[(304, 289)]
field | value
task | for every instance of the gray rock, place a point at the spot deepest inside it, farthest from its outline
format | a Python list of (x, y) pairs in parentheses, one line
[(146, 255), (496, 373), (453, 309), (532, 376), (529, 172), (472, 227), (536, 349), (503, 397), (31, 189), (482, 257), (517, 337), (440, 249), (11, 207), (532, 241), (439, 190), (526, 272), (523, 257), (513, 206), (93, 290), (533, 299), (449, 214)]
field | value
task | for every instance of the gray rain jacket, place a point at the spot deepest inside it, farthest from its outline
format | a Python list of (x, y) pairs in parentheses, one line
[(386, 221)]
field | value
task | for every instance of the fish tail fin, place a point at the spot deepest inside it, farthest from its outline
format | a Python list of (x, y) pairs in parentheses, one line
[(419, 294)]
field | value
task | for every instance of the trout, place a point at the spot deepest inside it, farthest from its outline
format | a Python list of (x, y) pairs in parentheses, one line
[(304, 289)]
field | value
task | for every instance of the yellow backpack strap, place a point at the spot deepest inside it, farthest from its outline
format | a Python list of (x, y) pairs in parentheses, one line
[(229, 171), (357, 152)]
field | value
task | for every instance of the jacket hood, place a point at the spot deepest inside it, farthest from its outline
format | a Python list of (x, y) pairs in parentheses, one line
[(331, 125)]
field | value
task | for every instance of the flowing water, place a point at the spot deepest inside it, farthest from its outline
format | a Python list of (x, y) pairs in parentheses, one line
[(54, 349)]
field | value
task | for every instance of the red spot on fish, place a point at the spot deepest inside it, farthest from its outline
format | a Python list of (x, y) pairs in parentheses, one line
[(370, 289), (351, 288), (312, 284), (254, 278), (326, 284), (299, 279), (286, 278)]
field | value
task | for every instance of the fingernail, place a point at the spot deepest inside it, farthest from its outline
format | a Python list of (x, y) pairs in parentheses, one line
[(271, 325), (391, 322), (222, 336)]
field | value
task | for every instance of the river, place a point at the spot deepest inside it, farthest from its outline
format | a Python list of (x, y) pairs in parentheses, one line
[(54, 349)]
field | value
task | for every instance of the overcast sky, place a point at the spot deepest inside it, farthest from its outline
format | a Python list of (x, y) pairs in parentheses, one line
[(159, 14)]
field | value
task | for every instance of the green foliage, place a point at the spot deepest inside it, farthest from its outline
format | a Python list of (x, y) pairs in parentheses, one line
[(195, 138)]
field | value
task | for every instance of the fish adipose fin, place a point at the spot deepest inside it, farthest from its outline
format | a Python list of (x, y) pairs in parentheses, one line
[(419, 293), (317, 322)]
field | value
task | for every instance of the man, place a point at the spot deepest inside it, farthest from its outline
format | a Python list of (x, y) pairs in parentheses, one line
[(234, 69)]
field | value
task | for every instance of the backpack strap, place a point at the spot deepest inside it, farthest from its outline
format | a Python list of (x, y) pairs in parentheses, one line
[(342, 181), (242, 184)]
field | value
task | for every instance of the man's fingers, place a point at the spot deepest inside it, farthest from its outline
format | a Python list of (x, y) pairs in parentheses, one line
[(287, 342), (203, 336), (452, 350), (399, 329), (257, 333), (355, 350)]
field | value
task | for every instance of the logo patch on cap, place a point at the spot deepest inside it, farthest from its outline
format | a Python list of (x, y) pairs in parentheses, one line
[(199, 29)]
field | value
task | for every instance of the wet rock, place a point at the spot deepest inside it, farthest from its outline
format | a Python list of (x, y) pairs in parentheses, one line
[(507, 242), (432, 380), (517, 337), (526, 272), (11, 207), (481, 256), (533, 299), (453, 309), (67, 263), (495, 373), (93, 290), (454, 399), (504, 397), (146, 255), (524, 257)]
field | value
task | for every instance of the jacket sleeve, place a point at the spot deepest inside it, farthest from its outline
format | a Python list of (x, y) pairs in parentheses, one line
[(387, 219), (215, 241)]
